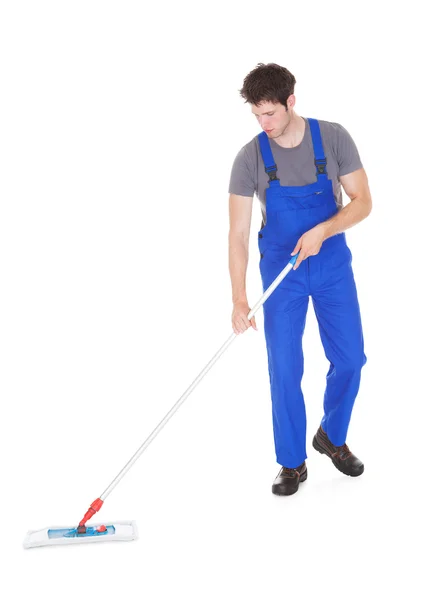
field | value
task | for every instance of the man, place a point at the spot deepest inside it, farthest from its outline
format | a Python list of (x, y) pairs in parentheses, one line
[(297, 166)]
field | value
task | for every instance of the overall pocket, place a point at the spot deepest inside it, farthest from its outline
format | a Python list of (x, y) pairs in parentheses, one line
[(301, 201), (265, 234)]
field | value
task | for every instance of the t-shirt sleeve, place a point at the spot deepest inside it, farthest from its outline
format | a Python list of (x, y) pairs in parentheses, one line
[(241, 179), (346, 151)]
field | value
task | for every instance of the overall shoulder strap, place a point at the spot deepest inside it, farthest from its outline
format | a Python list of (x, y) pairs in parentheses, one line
[(319, 157), (266, 152)]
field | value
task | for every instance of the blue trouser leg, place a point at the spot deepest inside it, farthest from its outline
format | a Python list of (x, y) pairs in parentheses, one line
[(284, 322), (338, 314)]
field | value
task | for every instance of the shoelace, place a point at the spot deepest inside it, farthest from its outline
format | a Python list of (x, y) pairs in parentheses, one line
[(288, 472), (343, 451)]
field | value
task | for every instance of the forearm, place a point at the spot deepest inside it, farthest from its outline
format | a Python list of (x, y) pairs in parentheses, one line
[(238, 263), (351, 214)]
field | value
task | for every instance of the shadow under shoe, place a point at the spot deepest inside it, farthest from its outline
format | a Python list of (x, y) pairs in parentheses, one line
[(288, 480), (341, 456)]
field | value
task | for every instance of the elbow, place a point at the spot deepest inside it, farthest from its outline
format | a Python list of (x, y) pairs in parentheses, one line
[(367, 206)]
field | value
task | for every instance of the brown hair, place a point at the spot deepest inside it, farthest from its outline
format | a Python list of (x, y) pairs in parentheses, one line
[(268, 83)]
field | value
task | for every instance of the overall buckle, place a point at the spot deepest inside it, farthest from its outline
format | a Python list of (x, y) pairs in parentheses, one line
[(320, 164), (272, 172)]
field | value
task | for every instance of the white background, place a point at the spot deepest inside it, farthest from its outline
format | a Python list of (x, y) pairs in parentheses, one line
[(120, 122)]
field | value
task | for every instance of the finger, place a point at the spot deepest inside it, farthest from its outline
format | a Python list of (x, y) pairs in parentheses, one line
[(244, 323), (239, 325), (236, 326), (247, 322), (300, 258), (298, 261), (254, 324), (297, 248)]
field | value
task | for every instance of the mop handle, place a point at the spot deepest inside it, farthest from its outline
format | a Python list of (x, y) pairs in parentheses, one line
[(185, 395), (96, 505)]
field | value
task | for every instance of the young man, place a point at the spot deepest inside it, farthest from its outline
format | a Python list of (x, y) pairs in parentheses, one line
[(296, 166)]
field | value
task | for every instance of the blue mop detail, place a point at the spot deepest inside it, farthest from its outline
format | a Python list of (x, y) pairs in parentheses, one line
[(71, 533), (294, 259)]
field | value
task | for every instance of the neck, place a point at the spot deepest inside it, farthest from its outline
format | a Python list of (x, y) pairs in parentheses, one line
[(293, 132)]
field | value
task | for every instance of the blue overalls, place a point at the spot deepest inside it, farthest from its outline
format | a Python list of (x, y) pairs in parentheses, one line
[(328, 279)]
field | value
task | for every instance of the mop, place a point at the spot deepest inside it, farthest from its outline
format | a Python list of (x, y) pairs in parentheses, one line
[(127, 530)]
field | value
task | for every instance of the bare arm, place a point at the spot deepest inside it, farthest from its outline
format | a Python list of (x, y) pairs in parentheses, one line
[(356, 186), (240, 210)]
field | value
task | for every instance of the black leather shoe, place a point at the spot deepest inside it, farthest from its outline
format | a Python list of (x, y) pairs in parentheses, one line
[(288, 480), (341, 456)]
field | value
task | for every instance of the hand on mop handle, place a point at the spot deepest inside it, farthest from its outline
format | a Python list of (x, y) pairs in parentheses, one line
[(241, 319)]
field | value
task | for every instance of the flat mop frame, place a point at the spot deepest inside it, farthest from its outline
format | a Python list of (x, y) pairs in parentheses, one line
[(97, 504)]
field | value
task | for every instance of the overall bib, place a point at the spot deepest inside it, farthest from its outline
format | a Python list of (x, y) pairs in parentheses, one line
[(328, 279)]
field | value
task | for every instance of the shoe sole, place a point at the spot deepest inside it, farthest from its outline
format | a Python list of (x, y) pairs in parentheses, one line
[(303, 477), (322, 450)]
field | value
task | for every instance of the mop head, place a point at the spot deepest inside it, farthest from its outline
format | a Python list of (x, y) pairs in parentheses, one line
[(120, 531)]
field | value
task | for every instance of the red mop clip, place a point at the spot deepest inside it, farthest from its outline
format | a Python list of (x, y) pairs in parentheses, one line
[(95, 507)]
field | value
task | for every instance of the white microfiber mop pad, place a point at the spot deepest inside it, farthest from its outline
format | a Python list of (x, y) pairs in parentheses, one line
[(118, 531)]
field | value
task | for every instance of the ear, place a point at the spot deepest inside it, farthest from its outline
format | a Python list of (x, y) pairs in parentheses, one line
[(291, 101)]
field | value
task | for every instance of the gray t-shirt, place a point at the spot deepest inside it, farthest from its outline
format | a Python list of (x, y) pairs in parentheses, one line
[(295, 165)]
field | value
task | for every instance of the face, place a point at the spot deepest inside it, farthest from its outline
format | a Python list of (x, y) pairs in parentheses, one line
[(273, 118)]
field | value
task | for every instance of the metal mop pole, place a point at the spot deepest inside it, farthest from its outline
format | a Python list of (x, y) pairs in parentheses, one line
[(97, 504)]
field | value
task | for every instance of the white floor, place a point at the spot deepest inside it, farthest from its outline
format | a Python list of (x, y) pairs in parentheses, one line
[(209, 525)]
